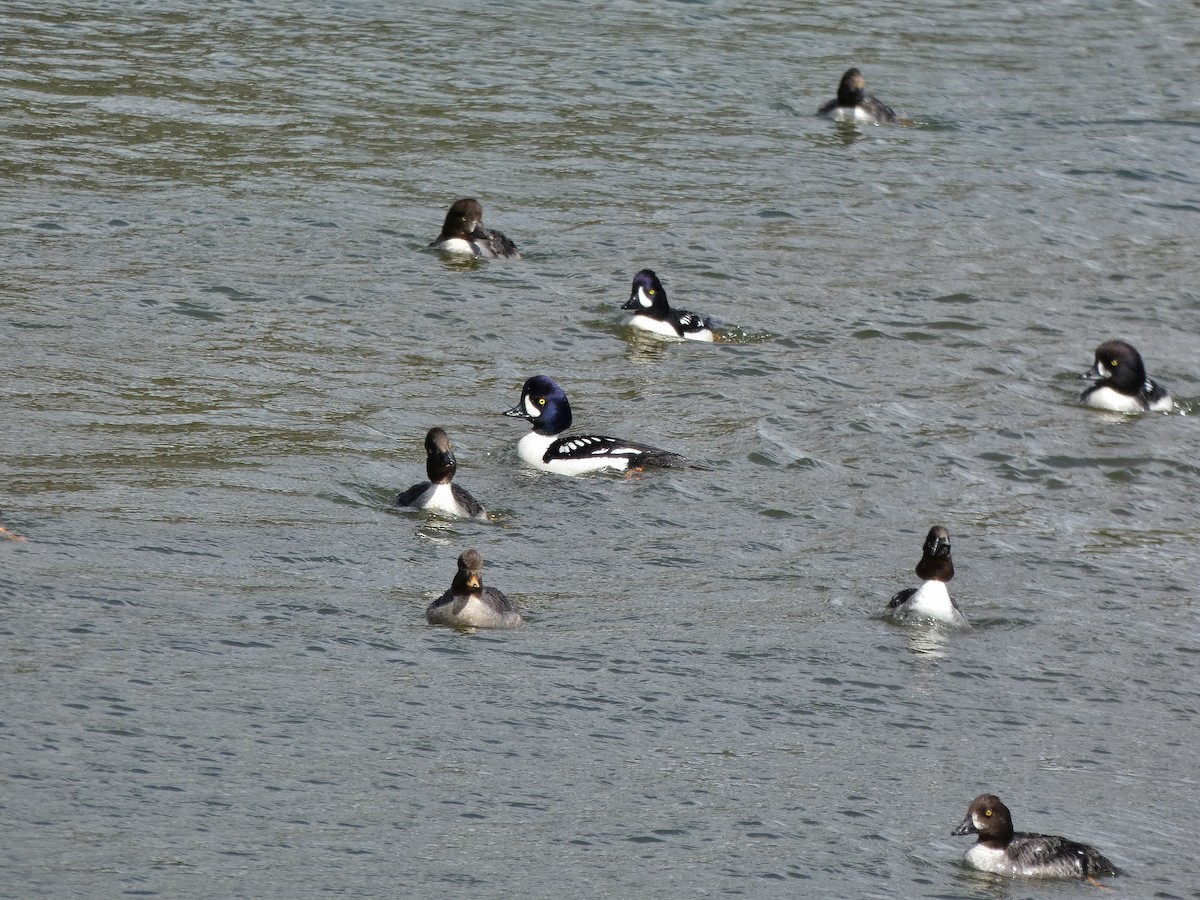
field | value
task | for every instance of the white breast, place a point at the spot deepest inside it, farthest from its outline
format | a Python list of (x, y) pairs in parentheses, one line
[(655, 326), (932, 601), (989, 859), (479, 615), (1107, 398), (532, 448), (441, 499), (458, 245), (853, 114)]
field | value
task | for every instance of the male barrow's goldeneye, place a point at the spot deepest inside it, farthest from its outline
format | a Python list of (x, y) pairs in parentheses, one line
[(654, 314), (439, 494), (1002, 851), (468, 604), (1123, 386), (545, 404), (854, 104), (931, 601), (463, 232)]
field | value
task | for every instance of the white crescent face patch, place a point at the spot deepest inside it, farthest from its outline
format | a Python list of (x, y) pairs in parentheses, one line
[(643, 299), (531, 408)]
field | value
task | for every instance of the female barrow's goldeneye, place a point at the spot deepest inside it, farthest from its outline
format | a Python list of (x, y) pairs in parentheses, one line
[(1002, 851), (545, 404), (931, 601), (463, 232), (468, 604), (1124, 385), (854, 104), (654, 314), (439, 494)]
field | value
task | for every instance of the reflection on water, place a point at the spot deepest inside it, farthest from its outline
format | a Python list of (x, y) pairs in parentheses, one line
[(926, 639)]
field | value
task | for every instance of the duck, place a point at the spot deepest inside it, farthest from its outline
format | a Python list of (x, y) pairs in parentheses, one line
[(544, 404), (463, 232), (1123, 384), (439, 494), (468, 604), (932, 600), (854, 104), (654, 314), (1002, 851)]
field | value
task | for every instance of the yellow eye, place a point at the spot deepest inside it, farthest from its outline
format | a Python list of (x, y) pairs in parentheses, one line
[(987, 812), (652, 292), (1113, 363), (541, 401)]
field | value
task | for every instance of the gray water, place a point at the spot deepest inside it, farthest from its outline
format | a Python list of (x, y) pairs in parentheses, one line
[(224, 345)]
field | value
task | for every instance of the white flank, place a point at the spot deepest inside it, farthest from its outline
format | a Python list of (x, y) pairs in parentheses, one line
[(1163, 404), (532, 448)]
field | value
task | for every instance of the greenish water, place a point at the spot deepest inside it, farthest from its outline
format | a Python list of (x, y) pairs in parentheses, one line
[(225, 347)]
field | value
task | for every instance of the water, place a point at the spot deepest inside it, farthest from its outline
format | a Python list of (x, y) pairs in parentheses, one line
[(224, 350)]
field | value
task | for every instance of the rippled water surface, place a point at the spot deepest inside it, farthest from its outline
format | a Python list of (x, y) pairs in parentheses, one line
[(225, 345)]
